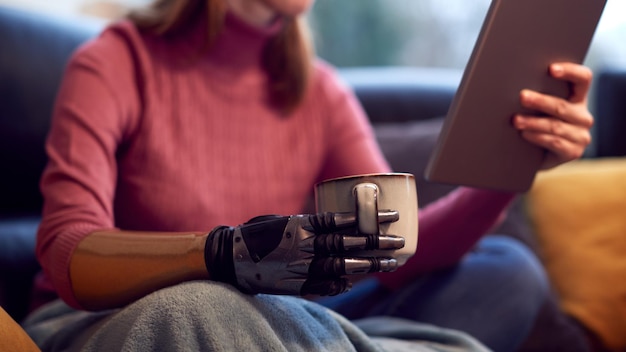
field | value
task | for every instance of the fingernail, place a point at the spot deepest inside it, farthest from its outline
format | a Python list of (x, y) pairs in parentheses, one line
[(557, 70)]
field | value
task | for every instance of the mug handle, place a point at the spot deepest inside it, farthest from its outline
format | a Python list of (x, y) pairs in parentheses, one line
[(366, 205)]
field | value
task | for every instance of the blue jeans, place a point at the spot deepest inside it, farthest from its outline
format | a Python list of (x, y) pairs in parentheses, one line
[(494, 294)]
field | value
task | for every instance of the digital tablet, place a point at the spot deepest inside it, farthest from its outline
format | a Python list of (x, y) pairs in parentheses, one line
[(519, 39)]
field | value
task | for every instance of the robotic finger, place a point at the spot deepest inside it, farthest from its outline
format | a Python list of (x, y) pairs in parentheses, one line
[(341, 243), (338, 266), (349, 219), (330, 222)]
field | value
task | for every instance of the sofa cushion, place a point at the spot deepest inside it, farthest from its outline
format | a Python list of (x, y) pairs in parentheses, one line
[(13, 337), (578, 214)]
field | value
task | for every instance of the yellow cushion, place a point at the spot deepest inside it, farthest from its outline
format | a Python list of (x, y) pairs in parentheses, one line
[(579, 214), (12, 336)]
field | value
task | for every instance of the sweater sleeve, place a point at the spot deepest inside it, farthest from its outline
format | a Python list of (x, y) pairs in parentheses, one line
[(89, 122), (448, 229)]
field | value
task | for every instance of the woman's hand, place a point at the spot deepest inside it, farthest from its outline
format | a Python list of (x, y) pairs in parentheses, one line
[(565, 132)]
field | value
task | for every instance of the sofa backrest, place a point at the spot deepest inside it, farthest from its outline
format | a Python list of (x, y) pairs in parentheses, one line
[(610, 112), (33, 52), (402, 94)]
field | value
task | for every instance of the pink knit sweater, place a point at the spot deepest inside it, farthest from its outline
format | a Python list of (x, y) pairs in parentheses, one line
[(146, 137)]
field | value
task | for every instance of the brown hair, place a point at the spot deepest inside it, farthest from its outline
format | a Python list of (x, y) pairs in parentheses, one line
[(287, 56)]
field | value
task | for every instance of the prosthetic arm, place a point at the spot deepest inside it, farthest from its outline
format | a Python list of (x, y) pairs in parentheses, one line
[(299, 255)]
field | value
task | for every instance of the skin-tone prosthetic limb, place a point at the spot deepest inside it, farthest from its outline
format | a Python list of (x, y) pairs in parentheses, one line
[(296, 255), (113, 268), (13, 337)]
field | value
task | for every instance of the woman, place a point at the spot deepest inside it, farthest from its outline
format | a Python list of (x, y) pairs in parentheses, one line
[(194, 114)]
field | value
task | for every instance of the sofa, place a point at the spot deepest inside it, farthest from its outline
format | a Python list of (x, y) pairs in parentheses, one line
[(405, 106)]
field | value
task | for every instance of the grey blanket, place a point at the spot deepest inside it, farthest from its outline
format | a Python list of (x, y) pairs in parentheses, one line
[(208, 316)]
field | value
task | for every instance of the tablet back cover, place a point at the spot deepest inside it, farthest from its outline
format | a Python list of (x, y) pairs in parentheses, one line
[(519, 39)]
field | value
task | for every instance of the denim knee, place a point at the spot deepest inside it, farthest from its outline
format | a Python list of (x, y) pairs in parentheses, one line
[(494, 294), (515, 266)]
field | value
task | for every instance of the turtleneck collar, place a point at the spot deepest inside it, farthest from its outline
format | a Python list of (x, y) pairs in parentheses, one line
[(240, 45), (232, 62)]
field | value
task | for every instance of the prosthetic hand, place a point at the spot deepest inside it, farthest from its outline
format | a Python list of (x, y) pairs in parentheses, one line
[(297, 255)]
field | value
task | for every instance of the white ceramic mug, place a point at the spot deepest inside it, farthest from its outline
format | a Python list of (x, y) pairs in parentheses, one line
[(365, 195)]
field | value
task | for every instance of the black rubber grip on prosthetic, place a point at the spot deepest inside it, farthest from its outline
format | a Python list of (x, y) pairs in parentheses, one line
[(323, 222), (334, 243), (218, 255), (332, 266)]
